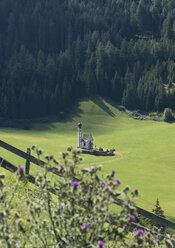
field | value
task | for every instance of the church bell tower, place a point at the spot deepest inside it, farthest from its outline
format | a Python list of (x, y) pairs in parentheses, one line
[(79, 134)]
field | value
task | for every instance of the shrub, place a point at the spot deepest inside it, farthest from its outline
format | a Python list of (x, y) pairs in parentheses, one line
[(77, 216), (112, 150), (168, 115)]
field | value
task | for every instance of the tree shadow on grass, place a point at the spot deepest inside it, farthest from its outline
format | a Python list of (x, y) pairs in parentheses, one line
[(44, 123), (65, 116), (68, 115), (100, 103), (73, 112), (115, 104)]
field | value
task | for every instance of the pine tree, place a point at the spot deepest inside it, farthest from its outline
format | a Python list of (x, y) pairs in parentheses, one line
[(158, 211)]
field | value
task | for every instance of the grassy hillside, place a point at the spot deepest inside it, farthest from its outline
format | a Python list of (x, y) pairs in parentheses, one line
[(145, 149)]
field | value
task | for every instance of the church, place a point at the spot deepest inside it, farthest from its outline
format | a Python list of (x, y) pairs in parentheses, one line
[(85, 141)]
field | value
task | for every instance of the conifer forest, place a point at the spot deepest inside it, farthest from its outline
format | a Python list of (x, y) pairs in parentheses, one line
[(53, 52)]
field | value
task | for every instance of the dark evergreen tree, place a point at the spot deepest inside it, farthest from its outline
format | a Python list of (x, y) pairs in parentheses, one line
[(159, 211), (52, 52)]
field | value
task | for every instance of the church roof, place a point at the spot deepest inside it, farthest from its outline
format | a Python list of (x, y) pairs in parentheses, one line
[(87, 137)]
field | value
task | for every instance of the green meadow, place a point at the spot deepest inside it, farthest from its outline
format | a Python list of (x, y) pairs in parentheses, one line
[(145, 150)]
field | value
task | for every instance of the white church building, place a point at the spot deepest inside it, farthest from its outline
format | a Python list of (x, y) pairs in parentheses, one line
[(85, 141)]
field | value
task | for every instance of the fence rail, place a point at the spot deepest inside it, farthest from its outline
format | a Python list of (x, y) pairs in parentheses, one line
[(12, 168), (151, 216), (29, 158)]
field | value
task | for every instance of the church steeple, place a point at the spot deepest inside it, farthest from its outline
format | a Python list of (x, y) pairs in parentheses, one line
[(79, 134)]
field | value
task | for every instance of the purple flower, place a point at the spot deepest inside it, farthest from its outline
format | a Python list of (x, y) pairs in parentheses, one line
[(85, 225), (21, 168), (75, 183), (117, 180), (26, 188), (61, 166), (100, 244), (140, 232), (113, 172), (125, 225), (102, 183), (61, 208), (90, 167), (132, 217), (109, 186)]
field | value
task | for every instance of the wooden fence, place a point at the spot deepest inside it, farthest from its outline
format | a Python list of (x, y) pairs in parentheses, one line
[(29, 158)]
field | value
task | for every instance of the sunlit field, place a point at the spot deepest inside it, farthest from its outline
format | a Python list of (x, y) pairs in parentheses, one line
[(145, 150)]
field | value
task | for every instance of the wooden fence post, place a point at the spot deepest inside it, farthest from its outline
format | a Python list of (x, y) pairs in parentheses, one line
[(28, 162)]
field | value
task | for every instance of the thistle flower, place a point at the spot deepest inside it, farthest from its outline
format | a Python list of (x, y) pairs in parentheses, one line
[(33, 147), (55, 161), (140, 232), (117, 180), (69, 149), (86, 197), (118, 193), (21, 168), (2, 176), (102, 183), (75, 183), (85, 225), (61, 166), (125, 226), (100, 244), (135, 191), (132, 217), (51, 156), (126, 189)]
